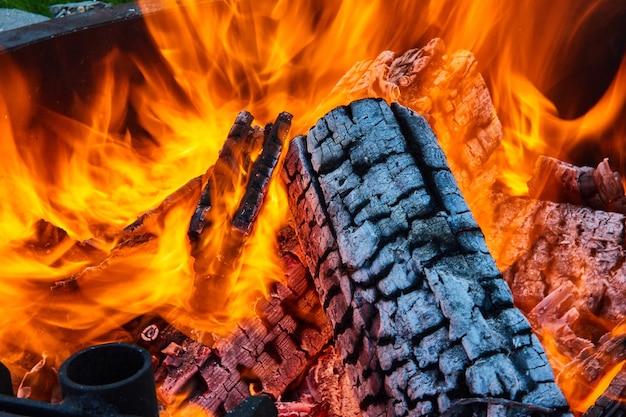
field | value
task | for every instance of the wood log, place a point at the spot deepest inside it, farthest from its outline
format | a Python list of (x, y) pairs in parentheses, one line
[(445, 88), (593, 365), (421, 315), (229, 169), (146, 222), (565, 265), (261, 174), (215, 269), (558, 181), (264, 354), (134, 237), (52, 246), (542, 245)]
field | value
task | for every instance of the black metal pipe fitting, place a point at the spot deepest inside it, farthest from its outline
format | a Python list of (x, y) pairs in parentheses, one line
[(112, 380)]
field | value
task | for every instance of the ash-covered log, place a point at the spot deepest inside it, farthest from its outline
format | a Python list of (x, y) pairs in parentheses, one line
[(421, 315), (446, 88)]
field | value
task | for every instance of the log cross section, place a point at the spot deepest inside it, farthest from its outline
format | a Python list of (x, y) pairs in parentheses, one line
[(421, 315)]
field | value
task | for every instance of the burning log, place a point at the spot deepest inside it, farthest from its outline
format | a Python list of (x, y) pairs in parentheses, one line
[(421, 315), (445, 88), (137, 234), (212, 272), (223, 175), (610, 403), (543, 245), (264, 354), (584, 375), (558, 181), (565, 265)]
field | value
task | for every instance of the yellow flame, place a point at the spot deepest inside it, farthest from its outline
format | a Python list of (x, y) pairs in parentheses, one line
[(90, 174)]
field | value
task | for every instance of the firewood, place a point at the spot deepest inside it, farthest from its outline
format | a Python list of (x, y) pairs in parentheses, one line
[(264, 354), (559, 181), (261, 174), (330, 386), (147, 220), (611, 403), (542, 245), (226, 173), (214, 271), (134, 236), (51, 245), (445, 88), (420, 312), (555, 318), (593, 365)]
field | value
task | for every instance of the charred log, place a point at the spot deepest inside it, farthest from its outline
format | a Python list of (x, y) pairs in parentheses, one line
[(421, 315), (214, 272), (223, 175), (565, 264), (448, 90), (611, 403), (543, 245), (594, 365), (599, 188), (264, 354), (137, 236), (147, 220), (261, 173)]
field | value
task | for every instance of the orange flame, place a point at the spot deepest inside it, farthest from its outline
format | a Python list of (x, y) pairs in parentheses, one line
[(264, 56)]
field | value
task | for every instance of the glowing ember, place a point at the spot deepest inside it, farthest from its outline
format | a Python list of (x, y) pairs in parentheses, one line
[(90, 175)]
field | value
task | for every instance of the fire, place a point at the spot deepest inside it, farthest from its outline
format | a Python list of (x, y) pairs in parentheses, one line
[(90, 174)]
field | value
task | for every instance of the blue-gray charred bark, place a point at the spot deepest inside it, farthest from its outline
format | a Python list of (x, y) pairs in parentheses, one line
[(421, 314)]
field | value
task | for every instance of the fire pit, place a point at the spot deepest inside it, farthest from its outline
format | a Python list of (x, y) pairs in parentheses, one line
[(124, 174)]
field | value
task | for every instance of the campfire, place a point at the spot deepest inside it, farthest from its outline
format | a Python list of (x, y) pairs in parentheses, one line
[(349, 208)]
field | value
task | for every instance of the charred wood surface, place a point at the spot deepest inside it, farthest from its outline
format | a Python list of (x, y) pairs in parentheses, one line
[(265, 354), (216, 268), (558, 181), (449, 91), (542, 245), (592, 365), (140, 235), (611, 403), (261, 174), (225, 174), (421, 315)]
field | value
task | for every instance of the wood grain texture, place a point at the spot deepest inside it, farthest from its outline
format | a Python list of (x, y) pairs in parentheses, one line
[(421, 315)]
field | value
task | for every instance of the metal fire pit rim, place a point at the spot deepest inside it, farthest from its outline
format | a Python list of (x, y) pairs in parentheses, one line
[(18, 38)]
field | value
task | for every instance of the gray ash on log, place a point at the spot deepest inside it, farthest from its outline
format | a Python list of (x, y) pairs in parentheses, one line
[(421, 315), (446, 88)]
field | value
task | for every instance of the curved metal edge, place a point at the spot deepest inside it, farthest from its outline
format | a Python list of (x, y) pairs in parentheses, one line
[(14, 39)]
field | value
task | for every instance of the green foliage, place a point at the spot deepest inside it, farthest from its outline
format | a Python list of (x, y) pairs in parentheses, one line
[(41, 6)]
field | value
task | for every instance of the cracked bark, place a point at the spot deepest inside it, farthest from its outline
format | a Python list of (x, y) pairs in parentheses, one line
[(266, 353), (446, 88), (420, 313), (566, 267), (543, 245)]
